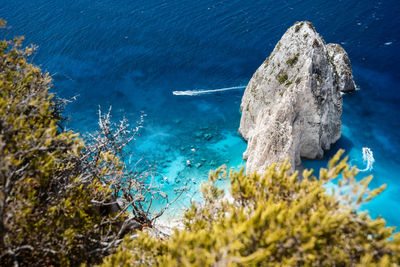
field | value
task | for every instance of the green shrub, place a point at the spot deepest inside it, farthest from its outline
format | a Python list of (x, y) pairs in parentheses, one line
[(292, 61), (282, 78), (45, 214), (58, 194), (274, 219)]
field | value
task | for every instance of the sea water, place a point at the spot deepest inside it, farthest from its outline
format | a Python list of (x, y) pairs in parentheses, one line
[(133, 55)]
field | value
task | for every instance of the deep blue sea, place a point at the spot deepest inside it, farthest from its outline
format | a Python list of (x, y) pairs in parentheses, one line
[(132, 55)]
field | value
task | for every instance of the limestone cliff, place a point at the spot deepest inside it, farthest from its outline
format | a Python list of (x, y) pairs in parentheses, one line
[(292, 105), (341, 63)]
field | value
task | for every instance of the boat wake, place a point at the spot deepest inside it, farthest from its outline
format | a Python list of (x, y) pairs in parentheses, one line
[(368, 157), (202, 92)]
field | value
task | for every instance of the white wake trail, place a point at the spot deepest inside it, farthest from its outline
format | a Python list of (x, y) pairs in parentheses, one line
[(201, 92), (368, 157)]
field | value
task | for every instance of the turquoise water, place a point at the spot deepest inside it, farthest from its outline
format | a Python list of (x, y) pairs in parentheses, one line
[(132, 55)]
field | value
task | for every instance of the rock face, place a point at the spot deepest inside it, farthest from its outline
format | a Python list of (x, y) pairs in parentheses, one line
[(292, 105), (341, 62)]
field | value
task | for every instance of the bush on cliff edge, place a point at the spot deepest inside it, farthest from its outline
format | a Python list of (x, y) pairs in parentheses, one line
[(58, 194), (274, 219)]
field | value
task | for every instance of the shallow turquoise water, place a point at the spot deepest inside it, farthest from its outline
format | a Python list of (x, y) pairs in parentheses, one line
[(133, 54)]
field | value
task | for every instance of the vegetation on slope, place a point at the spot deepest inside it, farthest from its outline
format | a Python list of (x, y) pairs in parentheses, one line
[(274, 219), (58, 194)]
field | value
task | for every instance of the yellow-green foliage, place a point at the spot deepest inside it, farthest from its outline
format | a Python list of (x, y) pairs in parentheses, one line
[(274, 219), (46, 215)]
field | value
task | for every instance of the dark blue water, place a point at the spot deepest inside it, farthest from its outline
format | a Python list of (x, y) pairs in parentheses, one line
[(131, 55)]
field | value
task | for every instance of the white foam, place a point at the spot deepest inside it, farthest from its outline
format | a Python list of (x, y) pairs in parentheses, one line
[(368, 157), (202, 91), (357, 89)]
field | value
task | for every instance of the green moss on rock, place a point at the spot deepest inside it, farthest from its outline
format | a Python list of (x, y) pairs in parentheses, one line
[(282, 78), (293, 60)]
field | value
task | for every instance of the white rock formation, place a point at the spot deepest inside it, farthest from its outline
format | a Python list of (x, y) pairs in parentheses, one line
[(292, 105), (341, 62)]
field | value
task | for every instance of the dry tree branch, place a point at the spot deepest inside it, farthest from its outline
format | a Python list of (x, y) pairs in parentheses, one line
[(132, 184)]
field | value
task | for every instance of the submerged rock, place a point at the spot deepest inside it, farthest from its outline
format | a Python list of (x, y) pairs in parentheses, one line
[(208, 136), (291, 107)]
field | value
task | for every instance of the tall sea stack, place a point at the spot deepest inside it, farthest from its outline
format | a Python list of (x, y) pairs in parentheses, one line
[(292, 105)]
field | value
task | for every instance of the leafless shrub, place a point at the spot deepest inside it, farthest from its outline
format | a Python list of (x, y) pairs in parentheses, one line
[(132, 182)]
